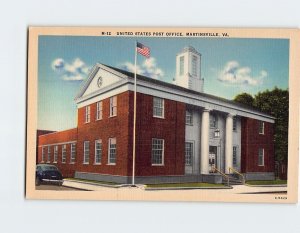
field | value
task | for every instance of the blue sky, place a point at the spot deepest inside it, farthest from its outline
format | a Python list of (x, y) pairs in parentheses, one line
[(229, 67)]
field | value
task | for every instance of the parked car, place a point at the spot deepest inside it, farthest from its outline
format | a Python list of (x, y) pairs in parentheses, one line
[(46, 173)]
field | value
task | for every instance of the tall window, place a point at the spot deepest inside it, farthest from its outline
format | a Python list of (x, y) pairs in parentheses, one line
[(98, 151), (49, 155), (73, 153), (261, 156), (87, 114), (213, 121), (189, 153), (99, 111), (63, 153), (113, 106), (234, 156), (234, 123), (261, 127), (194, 65), (181, 65), (189, 117), (157, 151), (158, 107), (55, 156), (112, 150), (86, 152), (43, 154)]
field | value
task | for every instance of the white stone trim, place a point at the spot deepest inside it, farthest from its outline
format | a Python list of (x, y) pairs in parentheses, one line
[(58, 144)]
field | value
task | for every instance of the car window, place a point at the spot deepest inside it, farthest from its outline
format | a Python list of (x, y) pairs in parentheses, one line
[(49, 168)]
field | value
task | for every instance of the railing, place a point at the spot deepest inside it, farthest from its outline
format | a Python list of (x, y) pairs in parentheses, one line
[(222, 174), (238, 173)]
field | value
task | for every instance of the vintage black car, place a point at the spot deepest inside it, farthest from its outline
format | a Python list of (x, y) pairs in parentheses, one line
[(46, 173)]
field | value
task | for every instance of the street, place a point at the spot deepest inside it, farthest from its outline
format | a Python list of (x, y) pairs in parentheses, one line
[(56, 187)]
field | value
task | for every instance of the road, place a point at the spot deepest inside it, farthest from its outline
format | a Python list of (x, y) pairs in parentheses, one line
[(56, 187)]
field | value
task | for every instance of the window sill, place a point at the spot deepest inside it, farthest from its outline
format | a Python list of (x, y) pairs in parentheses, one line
[(157, 165), (54, 161), (159, 117), (261, 133), (112, 116), (99, 119), (86, 163), (63, 162), (48, 162), (261, 165), (111, 164), (72, 162), (96, 164)]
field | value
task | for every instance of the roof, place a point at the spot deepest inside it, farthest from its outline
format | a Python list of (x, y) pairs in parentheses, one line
[(176, 87)]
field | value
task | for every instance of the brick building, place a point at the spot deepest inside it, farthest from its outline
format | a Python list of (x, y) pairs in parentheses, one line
[(182, 133)]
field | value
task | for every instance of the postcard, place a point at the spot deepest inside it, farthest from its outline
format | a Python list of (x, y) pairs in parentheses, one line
[(163, 114)]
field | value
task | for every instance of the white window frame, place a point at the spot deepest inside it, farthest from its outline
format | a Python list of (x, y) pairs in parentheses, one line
[(49, 154), (234, 153), (64, 153), (98, 160), (73, 153), (99, 111), (161, 106), (87, 114), (194, 65), (43, 154), (153, 150), (86, 152), (110, 149), (192, 153), (113, 106), (55, 154), (261, 155), (261, 127), (189, 117)]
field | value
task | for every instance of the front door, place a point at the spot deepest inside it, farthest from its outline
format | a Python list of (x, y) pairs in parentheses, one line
[(212, 159)]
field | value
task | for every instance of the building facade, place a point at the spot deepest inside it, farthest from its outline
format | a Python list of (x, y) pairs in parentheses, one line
[(182, 134)]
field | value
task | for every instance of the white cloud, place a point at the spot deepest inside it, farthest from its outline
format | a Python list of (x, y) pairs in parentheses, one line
[(77, 70), (148, 68), (233, 73)]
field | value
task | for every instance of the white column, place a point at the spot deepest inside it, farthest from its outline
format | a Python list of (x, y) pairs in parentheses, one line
[(204, 142), (228, 143)]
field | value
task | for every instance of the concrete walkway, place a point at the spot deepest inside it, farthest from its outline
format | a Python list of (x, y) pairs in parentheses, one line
[(236, 189)]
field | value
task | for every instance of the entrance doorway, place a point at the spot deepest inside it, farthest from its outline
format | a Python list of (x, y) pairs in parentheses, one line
[(212, 159)]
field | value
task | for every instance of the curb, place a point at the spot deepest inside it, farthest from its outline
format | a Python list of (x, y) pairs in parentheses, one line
[(185, 188), (265, 185), (95, 184)]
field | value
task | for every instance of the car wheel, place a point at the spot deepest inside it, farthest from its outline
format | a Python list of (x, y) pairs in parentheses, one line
[(37, 181)]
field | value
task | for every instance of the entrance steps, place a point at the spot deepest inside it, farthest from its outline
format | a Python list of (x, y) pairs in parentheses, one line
[(233, 180)]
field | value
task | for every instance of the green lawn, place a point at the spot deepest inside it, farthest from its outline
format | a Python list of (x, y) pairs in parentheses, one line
[(266, 182), (91, 181), (184, 185)]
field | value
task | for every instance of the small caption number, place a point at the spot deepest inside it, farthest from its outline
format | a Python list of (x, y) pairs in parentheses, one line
[(280, 198)]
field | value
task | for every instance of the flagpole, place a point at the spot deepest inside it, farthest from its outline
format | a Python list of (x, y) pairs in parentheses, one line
[(134, 117)]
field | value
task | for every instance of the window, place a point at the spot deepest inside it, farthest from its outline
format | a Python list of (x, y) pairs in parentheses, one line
[(86, 152), (99, 111), (189, 153), (113, 106), (112, 150), (63, 153), (234, 156), (189, 117), (43, 154), (261, 156), (213, 121), (55, 154), (157, 151), (49, 155), (87, 114), (261, 127), (194, 65), (234, 124), (73, 153), (98, 151), (158, 107), (181, 65)]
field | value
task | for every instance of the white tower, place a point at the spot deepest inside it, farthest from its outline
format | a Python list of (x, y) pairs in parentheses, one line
[(188, 69)]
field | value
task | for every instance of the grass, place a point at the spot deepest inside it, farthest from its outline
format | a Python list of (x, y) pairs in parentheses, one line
[(184, 185), (266, 182), (92, 181)]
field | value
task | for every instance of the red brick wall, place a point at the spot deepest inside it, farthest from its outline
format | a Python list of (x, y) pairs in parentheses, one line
[(108, 127), (252, 141), (59, 138), (171, 129)]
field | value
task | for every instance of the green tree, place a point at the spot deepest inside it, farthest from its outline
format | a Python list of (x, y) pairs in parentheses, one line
[(275, 103), (245, 98)]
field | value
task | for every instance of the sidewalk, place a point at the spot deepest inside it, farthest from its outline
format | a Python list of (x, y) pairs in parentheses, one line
[(236, 189)]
